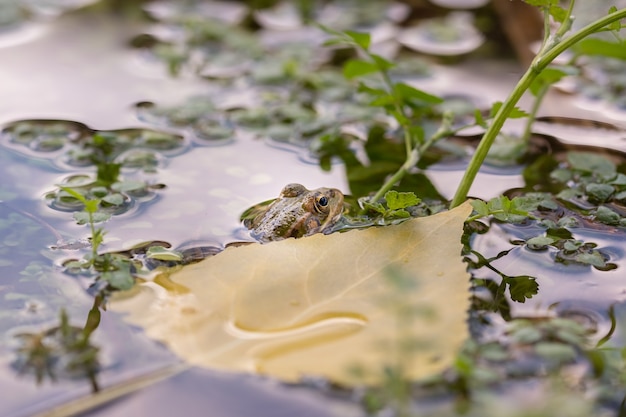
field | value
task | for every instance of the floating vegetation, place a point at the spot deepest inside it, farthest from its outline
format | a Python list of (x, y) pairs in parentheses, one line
[(111, 152), (207, 124)]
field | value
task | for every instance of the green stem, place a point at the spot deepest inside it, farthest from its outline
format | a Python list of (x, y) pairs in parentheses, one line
[(490, 136), (541, 61), (94, 245), (412, 159), (567, 22), (408, 140), (533, 112)]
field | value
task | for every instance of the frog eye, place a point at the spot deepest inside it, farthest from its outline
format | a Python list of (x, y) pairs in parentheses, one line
[(321, 204)]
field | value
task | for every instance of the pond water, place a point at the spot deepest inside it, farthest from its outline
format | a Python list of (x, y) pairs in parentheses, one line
[(79, 73)]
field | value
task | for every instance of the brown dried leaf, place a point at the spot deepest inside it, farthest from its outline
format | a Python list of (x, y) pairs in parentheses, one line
[(316, 305)]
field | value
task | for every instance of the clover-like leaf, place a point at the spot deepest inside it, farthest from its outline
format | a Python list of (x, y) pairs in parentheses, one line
[(396, 200), (522, 287)]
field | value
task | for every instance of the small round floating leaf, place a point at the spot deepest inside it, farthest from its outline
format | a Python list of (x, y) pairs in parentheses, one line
[(161, 140), (607, 216), (572, 245), (590, 162), (620, 179), (82, 217), (594, 258), (526, 335), (599, 192), (539, 242), (568, 221), (557, 352), (561, 175), (120, 279), (99, 191), (163, 254), (114, 199), (128, 186)]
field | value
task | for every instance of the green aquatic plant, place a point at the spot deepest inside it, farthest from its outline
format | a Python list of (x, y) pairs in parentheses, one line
[(114, 270), (538, 75), (409, 106)]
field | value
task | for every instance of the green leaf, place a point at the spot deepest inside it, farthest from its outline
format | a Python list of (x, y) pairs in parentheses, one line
[(558, 234), (329, 30), (556, 352), (522, 287), (128, 186), (358, 68), (82, 217), (593, 258), (97, 238), (614, 26), (108, 173), (620, 179), (480, 120), (561, 175), (360, 38), (572, 245), (397, 214), (607, 216), (539, 242), (92, 206), (163, 254), (396, 200), (599, 192), (374, 206), (524, 333), (591, 162), (364, 88), (558, 13), (532, 201), (121, 278), (406, 92), (387, 100), (596, 46), (74, 194), (382, 63), (504, 209), (516, 113), (541, 3), (546, 78), (480, 207), (114, 199), (416, 133), (99, 191)]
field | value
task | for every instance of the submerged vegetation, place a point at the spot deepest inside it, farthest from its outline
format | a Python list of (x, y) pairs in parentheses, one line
[(340, 100)]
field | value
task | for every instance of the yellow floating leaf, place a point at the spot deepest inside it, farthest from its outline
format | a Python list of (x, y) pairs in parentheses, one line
[(315, 306)]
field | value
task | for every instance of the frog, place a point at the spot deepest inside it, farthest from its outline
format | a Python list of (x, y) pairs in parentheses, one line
[(297, 212)]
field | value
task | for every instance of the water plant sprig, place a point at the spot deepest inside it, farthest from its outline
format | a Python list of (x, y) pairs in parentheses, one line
[(555, 42), (91, 208), (115, 270), (405, 103)]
